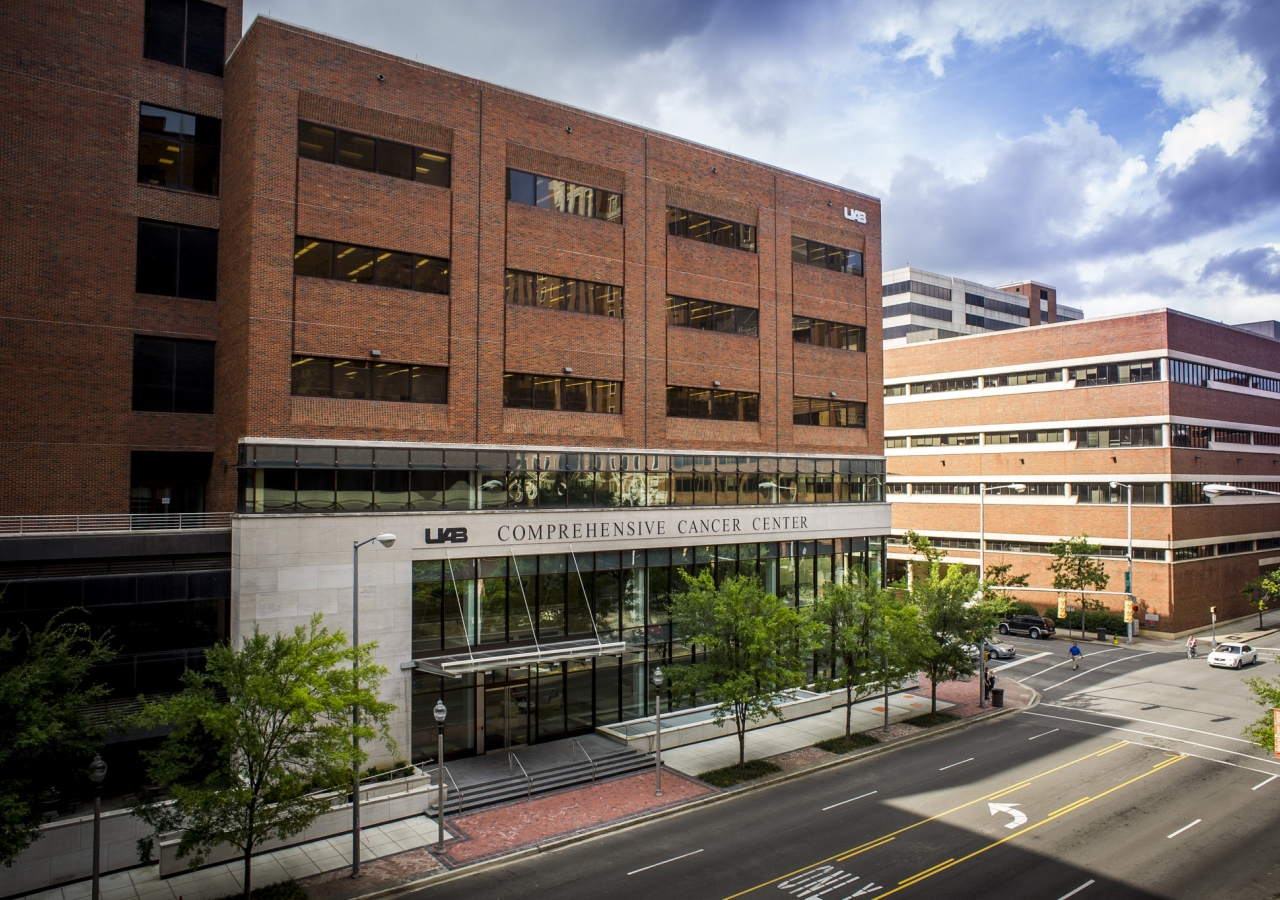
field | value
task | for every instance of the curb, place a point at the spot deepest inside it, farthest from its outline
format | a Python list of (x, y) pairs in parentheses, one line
[(720, 797)]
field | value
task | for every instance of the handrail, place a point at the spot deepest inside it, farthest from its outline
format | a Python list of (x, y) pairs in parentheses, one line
[(383, 775), (81, 524), (457, 790), (575, 746), (527, 779)]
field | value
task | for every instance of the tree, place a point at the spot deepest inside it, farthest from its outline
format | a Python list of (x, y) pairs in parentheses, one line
[(947, 621), (896, 643), (255, 765), (750, 648), (1262, 589), (853, 617), (1076, 567), (1262, 732), (996, 584), (46, 739)]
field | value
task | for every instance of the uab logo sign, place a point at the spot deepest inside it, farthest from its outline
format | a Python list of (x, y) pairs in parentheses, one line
[(447, 536)]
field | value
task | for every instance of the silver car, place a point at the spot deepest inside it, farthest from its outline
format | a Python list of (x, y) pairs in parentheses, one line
[(993, 648)]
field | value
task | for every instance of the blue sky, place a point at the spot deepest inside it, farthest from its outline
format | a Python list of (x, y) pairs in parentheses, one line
[(1126, 152)]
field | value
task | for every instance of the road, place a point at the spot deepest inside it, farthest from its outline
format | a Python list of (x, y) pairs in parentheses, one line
[(1128, 780)]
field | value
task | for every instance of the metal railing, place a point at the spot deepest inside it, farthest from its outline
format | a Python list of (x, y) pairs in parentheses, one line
[(457, 790), (528, 780), (113, 522), (575, 747)]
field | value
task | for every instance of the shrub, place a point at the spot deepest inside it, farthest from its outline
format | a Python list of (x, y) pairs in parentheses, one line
[(281, 890), (731, 775), (928, 720), (1019, 608), (848, 744), (1113, 622)]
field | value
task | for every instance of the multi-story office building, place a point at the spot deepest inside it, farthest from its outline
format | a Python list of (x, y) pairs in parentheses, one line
[(328, 293), (1158, 404), (924, 306)]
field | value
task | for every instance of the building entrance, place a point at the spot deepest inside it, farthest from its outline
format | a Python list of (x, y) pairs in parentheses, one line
[(506, 716)]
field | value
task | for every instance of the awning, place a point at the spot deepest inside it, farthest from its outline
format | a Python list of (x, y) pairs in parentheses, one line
[(458, 664)]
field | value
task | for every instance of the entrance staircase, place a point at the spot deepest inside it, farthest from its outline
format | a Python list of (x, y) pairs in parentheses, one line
[(526, 784)]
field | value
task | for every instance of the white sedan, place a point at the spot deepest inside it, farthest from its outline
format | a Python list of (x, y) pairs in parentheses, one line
[(1233, 656)]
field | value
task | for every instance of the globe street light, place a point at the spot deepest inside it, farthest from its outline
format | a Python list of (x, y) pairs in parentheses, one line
[(657, 763), (97, 772), (1128, 572), (385, 540), (440, 712), (1019, 487)]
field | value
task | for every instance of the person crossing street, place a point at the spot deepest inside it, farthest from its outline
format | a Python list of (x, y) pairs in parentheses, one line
[(1075, 656)]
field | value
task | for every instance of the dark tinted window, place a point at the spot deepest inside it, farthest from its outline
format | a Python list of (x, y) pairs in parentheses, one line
[(564, 393), (369, 265), (563, 196), (178, 150), (172, 375), (566, 294), (711, 230), (176, 261), (708, 316), (828, 412), (825, 256), (332, 145), (827, 334), (369, 380), (188, 33), (712, 403)]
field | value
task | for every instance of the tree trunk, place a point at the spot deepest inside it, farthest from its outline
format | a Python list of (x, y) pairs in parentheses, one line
[(742, 744), (1260, 617), (248, 869), (848, 710), (933, 687)]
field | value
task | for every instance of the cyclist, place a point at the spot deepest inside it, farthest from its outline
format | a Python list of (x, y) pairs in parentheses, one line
[(1191, 647)]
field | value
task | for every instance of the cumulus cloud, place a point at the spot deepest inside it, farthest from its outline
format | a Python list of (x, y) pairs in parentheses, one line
[(1257, 268)]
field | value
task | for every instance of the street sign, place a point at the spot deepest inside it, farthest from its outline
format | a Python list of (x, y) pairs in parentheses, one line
[(1151, 617), (1071, 607), (1128, 582)]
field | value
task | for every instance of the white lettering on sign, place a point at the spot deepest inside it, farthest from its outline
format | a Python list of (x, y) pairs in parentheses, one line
[(855, 215)]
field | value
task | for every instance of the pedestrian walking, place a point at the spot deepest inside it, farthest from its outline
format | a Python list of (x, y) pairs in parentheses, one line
[(1075, 656), (991, 683), (1191, 647)]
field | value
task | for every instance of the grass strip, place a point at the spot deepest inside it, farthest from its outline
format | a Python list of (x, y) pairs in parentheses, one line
[(281, 890), (846, 744), (731, 775), (928, 720)]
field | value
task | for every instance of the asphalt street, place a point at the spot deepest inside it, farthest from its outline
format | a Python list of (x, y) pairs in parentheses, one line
[(1128, 780)]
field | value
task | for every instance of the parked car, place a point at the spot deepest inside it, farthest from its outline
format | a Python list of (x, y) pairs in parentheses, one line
[(1230, 655), (993, 648), (1032, 626)]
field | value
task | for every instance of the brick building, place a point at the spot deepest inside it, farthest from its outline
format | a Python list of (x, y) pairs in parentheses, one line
[(1161, 401), (325, 293)]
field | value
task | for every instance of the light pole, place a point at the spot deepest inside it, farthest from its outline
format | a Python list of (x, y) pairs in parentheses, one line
[(1213, 490), (657, 701), (1018, 487), (97, 772), (385, 540), (1128, 572), (440, 712)]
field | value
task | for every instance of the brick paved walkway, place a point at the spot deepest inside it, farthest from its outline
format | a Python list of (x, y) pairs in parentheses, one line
[(964, 695), (375, 875)]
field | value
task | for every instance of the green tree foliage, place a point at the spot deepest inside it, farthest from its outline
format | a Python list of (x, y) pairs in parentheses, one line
[(259, 737), (995, 589), (948, 619), (1261, 591), (46, 740), (1076, 567), (1262, 732), (750, 648)]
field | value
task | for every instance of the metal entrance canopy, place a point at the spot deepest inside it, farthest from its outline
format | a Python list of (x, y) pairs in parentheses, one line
[(459, 664)]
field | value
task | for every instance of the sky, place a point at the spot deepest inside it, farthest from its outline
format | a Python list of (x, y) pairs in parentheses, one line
[(1126, 152)]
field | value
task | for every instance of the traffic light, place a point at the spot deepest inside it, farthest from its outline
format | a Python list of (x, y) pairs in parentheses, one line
[(1213, 610)]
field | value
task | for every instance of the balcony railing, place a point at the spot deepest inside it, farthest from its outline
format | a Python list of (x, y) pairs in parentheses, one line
[(113, 522)]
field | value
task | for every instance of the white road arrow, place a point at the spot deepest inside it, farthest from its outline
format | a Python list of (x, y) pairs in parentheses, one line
[(1019, 817)]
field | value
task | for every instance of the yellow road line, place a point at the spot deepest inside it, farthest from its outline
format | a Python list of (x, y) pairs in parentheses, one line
[(884, 839), (941, 867), (1066, 809), (919, 876)]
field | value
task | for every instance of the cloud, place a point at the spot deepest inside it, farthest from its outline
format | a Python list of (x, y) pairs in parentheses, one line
[(1227, 124), (1257, 268)]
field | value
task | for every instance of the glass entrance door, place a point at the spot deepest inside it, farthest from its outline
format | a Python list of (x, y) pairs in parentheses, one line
[(506, 716)]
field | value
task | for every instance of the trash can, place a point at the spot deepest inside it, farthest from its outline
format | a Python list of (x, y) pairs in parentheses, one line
[(997, 697), (1102, 634)]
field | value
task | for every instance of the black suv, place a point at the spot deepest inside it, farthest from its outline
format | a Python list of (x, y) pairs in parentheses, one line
[(1032, 626)]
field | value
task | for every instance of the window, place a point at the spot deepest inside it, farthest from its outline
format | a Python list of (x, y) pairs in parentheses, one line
[(563, 393), (187, 33), (1119, 373), (989, 324), (1190, 436), (1019, 379), (563, 196), (895, 443), (362, 379), (1181, 553), (1056, 489), (162, 482), (917, 287), (1183, 372), (828, 334), (1185, 492), (1017, 547), (944, 489), (824, 256), (1230, 436), (357, 151), (707, 316), (1266, 439), (1126, 436), (565, 294), (178, 150), (367, 265), (895, 390), (825, 412), (1044, 295), (172, 375), (697, 227), (1024, 437), (945, 440), (1103, 492), (1003, 306), (176, 261), (916, 309), (940, 387), (712, 403), (1235, 547)]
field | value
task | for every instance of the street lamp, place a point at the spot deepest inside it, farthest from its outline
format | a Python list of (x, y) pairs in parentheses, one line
[(657, 764), (97, 772), (1213, 490), (385, 540), (1128, 572), (440, 712), (1018, 487)]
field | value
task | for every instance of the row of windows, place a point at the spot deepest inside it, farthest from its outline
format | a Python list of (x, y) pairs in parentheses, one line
[(1084, 376), (187, 33), (1199, 436), (1103, 492), (370, 154), (1151, 493), (1125, 436), (945, 440), (1024, 437), (1225, 549), (824, 256), (565, 294), (829, 413), (708, 316), (917, 287), (370, 265), (916, 309), (563, 196), (564, 393), (1117, 373), (989, 324), (362, 379), (178, 150), (1020, 379), (269, 490), (171, 375), (708, 403), (1200, 375), (994, 305), (822, 333), (710, 230), (1193, 491), (176, 261)]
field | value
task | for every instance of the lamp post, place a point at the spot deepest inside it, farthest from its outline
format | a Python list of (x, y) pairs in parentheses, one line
[(657, 701), (97, 772), (385, 540), (440, 712), (1213, 490), (1018, 487), (1128, 572)]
